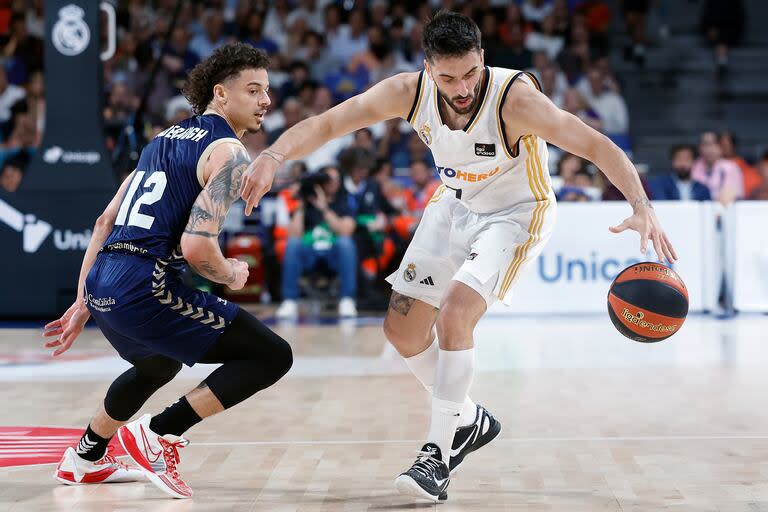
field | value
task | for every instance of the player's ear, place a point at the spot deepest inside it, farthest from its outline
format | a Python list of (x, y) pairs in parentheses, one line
[(220, 93)]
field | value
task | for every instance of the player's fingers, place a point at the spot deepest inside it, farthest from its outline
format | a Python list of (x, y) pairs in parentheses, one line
[(249, 204), (245, 184), (63, 349), (670, 248), (53, 331), (51, 325), (54, 343), (643, 241), (621, 227), (658, 247)]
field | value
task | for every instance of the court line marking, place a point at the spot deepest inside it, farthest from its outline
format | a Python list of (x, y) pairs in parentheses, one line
[(417, 441), (507, 440)]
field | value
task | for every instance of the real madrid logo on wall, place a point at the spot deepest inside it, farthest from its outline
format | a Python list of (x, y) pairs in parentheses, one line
[(409, 274), (71, 34), (426, 134)]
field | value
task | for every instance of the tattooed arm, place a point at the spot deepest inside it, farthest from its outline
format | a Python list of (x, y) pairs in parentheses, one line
[(199, 243)]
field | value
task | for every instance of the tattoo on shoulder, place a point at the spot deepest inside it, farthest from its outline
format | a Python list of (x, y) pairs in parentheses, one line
[(400, 303), (206, 218)]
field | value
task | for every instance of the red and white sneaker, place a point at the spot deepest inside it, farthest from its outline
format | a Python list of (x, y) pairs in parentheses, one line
[(157, 456), (75, 470)]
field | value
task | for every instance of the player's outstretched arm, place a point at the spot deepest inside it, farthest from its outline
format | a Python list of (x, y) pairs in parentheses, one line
[(67, 328), (387, 99), (200, 240), (529, 111)]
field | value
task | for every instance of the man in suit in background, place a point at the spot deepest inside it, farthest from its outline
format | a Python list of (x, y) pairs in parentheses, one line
[(677, 184)]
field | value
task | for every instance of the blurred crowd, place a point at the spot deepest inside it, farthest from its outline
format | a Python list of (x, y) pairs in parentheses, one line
[(354, 203)]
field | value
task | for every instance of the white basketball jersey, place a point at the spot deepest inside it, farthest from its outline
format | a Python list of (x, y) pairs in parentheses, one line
[(486, 172)]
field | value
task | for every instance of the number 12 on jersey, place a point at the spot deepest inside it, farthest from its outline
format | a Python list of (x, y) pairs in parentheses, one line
[(157, 181)]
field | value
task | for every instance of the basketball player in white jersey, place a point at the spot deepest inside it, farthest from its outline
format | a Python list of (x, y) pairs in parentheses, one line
[(486, 128)]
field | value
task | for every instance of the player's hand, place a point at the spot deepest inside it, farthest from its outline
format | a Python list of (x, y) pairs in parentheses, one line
[(257, 179), (67, 328), (240, 269), (644, 221)]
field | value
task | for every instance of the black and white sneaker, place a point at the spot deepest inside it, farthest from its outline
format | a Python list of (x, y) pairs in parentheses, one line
[(428, 478), (474, 436)]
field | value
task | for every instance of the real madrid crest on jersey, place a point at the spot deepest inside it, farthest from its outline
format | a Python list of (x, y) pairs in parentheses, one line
[(409, 274), (426, 134), (71, 34)]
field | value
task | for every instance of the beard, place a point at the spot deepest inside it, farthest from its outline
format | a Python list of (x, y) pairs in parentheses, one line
[(683, 174), (468, 108)]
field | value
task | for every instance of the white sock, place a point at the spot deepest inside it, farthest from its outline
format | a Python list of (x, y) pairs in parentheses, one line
[(453, 378), (424, 365)]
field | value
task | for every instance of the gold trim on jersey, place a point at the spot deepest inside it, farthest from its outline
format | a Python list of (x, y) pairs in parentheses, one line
[(498, 116), (437, 195), (540, 189), (417, 99), (485, 100), (206, 154)]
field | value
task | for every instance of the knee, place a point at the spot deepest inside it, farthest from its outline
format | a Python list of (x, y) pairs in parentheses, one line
[(407, 343), (453, 330), (293, 246), (345, 244), (282, 359), (158, 371)]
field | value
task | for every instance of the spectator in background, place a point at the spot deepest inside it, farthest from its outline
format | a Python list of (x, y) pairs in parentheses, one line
[(369, 207), (292, 114), (22, 52), (636, 20), (423, 185), (749, 174), (545, 39), (575, 58), (212, 37), (315, 54), (609, 106), (13, 171), (178, 59), (574, 103), (320, 229), (760, 193), (721, 176), (253, 33), (536, 10), (722, 22), (298, 75), (350, 39), (514, 55), (677, 185), (9, 95)]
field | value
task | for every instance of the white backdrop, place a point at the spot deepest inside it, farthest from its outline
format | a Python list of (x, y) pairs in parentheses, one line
[(574, 271), (747, 240)]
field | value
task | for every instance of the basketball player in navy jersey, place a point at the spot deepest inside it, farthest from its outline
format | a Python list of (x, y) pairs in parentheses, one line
[(487, 128), (168, 213)]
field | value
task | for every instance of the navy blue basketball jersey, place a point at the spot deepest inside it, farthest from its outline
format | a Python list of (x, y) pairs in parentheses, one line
[(168, 179)]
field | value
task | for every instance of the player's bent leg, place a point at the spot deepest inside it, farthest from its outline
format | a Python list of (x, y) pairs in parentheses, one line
[(90, 462), (460, 311), (253, 358), (409, 324)]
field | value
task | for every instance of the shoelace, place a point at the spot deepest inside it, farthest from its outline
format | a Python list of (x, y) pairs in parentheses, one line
[(171, 453), (110, 459), (426, 463)]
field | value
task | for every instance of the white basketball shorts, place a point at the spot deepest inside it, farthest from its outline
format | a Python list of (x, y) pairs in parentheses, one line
[(485, 251)]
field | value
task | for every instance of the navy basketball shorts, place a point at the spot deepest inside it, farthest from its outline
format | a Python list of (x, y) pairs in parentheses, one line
[(143, 309)]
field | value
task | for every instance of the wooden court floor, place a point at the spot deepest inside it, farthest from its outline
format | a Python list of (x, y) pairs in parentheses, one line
[(591, 423)]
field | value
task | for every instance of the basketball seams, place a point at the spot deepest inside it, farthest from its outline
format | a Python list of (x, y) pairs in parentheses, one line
[(620, 291)]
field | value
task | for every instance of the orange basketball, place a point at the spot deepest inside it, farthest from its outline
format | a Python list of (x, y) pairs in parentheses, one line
[(648, 302)]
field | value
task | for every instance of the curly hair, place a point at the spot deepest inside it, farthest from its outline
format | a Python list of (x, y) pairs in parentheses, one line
[(224, 63)]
